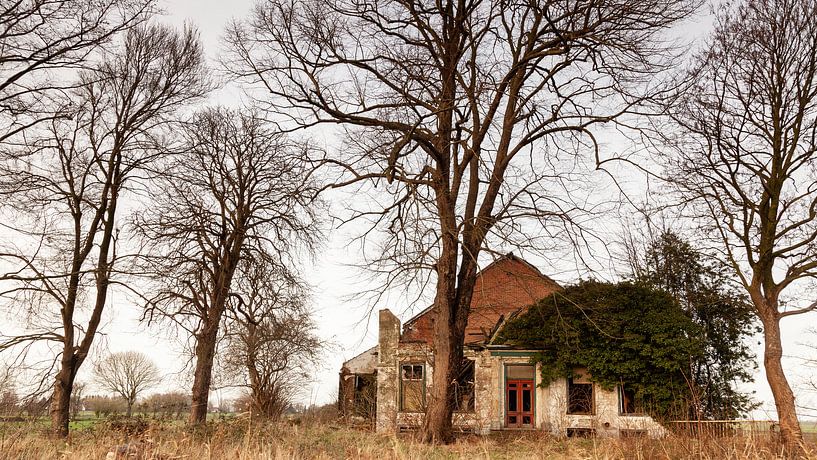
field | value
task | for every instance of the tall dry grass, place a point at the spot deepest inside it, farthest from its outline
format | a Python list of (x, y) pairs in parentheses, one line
[(240, 439)]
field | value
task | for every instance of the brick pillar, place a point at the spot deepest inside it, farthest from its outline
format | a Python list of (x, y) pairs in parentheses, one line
[(387, 363)]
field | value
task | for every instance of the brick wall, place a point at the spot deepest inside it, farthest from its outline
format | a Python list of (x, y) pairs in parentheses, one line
[(505, 286)]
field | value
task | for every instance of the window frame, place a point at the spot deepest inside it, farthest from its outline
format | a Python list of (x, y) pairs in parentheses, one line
[(422, 380), (473, 391), (621, 406), (568, 384)]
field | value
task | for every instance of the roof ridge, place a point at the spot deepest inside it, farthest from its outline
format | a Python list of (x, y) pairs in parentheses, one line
[(508, 256)]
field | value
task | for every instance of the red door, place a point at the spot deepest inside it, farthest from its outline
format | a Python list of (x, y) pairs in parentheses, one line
[(519, 404)]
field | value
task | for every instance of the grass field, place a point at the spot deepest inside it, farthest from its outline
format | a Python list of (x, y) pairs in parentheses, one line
[(240, 439)]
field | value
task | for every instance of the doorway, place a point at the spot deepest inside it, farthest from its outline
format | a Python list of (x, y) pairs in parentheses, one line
[(519, 397)]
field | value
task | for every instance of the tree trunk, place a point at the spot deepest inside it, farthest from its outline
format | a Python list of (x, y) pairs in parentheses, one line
[(129, 411), (790, 432), (61, 398), (437, 426), (452, 304), (202, 376)]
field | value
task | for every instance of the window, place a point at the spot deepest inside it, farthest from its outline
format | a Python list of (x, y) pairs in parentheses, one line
[(519, 372), (627, 401), (412, 388), (365, 400), (464, 387), (579, 396)]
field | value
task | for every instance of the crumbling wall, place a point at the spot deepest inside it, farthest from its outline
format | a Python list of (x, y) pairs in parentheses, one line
[(604, 422), (487, 393), (413, 352), (550, 403), (387, 368), (350, 402), (346, 392)]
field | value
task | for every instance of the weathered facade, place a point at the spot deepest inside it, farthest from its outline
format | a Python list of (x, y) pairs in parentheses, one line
[(498, 388)]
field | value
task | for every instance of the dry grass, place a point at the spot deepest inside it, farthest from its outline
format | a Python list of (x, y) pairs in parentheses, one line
[(238, 439)]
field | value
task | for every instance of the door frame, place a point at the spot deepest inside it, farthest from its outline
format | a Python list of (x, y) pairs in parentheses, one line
[(519, 413)]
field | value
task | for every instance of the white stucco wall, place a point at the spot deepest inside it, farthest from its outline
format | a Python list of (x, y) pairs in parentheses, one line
[(550, 403), (551, 407)]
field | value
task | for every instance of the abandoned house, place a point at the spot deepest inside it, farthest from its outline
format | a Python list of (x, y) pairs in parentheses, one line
[(498, 387)]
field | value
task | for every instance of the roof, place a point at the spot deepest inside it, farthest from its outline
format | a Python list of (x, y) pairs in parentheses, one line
[(502, 288), (364, 363)]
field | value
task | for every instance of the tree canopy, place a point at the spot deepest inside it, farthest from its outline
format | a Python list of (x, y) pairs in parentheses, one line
[(460, 120)]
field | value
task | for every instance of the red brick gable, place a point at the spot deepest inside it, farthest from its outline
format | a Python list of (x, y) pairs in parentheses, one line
[(502, 288)]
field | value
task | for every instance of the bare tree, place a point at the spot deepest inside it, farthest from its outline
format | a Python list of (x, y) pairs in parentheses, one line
[(237, 191), (468, 116), (63, 187), (745, 164), (43, 40), (270, 342), (104, 405), (127, 374)]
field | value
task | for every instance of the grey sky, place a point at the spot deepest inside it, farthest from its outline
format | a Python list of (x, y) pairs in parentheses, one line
[(344, 321)]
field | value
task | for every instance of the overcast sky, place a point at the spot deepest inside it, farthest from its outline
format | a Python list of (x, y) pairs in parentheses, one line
[(342, 320)]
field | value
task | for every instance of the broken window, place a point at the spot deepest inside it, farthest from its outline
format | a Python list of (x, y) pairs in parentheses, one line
[(365, 395), (579, 396), (627, 402), (412, 388), (464, 387)]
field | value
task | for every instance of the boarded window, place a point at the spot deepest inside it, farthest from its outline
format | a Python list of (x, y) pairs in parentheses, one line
[(412, 388), (464, 387), (627, 404), (579, 397)]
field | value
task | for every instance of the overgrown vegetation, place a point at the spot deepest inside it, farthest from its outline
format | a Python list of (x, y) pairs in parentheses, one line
[(716, 303), (626, 333), (678, 299), (741, 158), (242, 439)]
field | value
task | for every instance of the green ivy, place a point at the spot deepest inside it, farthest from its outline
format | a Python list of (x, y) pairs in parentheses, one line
[(625, 333)]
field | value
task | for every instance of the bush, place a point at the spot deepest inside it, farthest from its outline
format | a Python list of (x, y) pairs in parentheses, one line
[(128, 426)]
